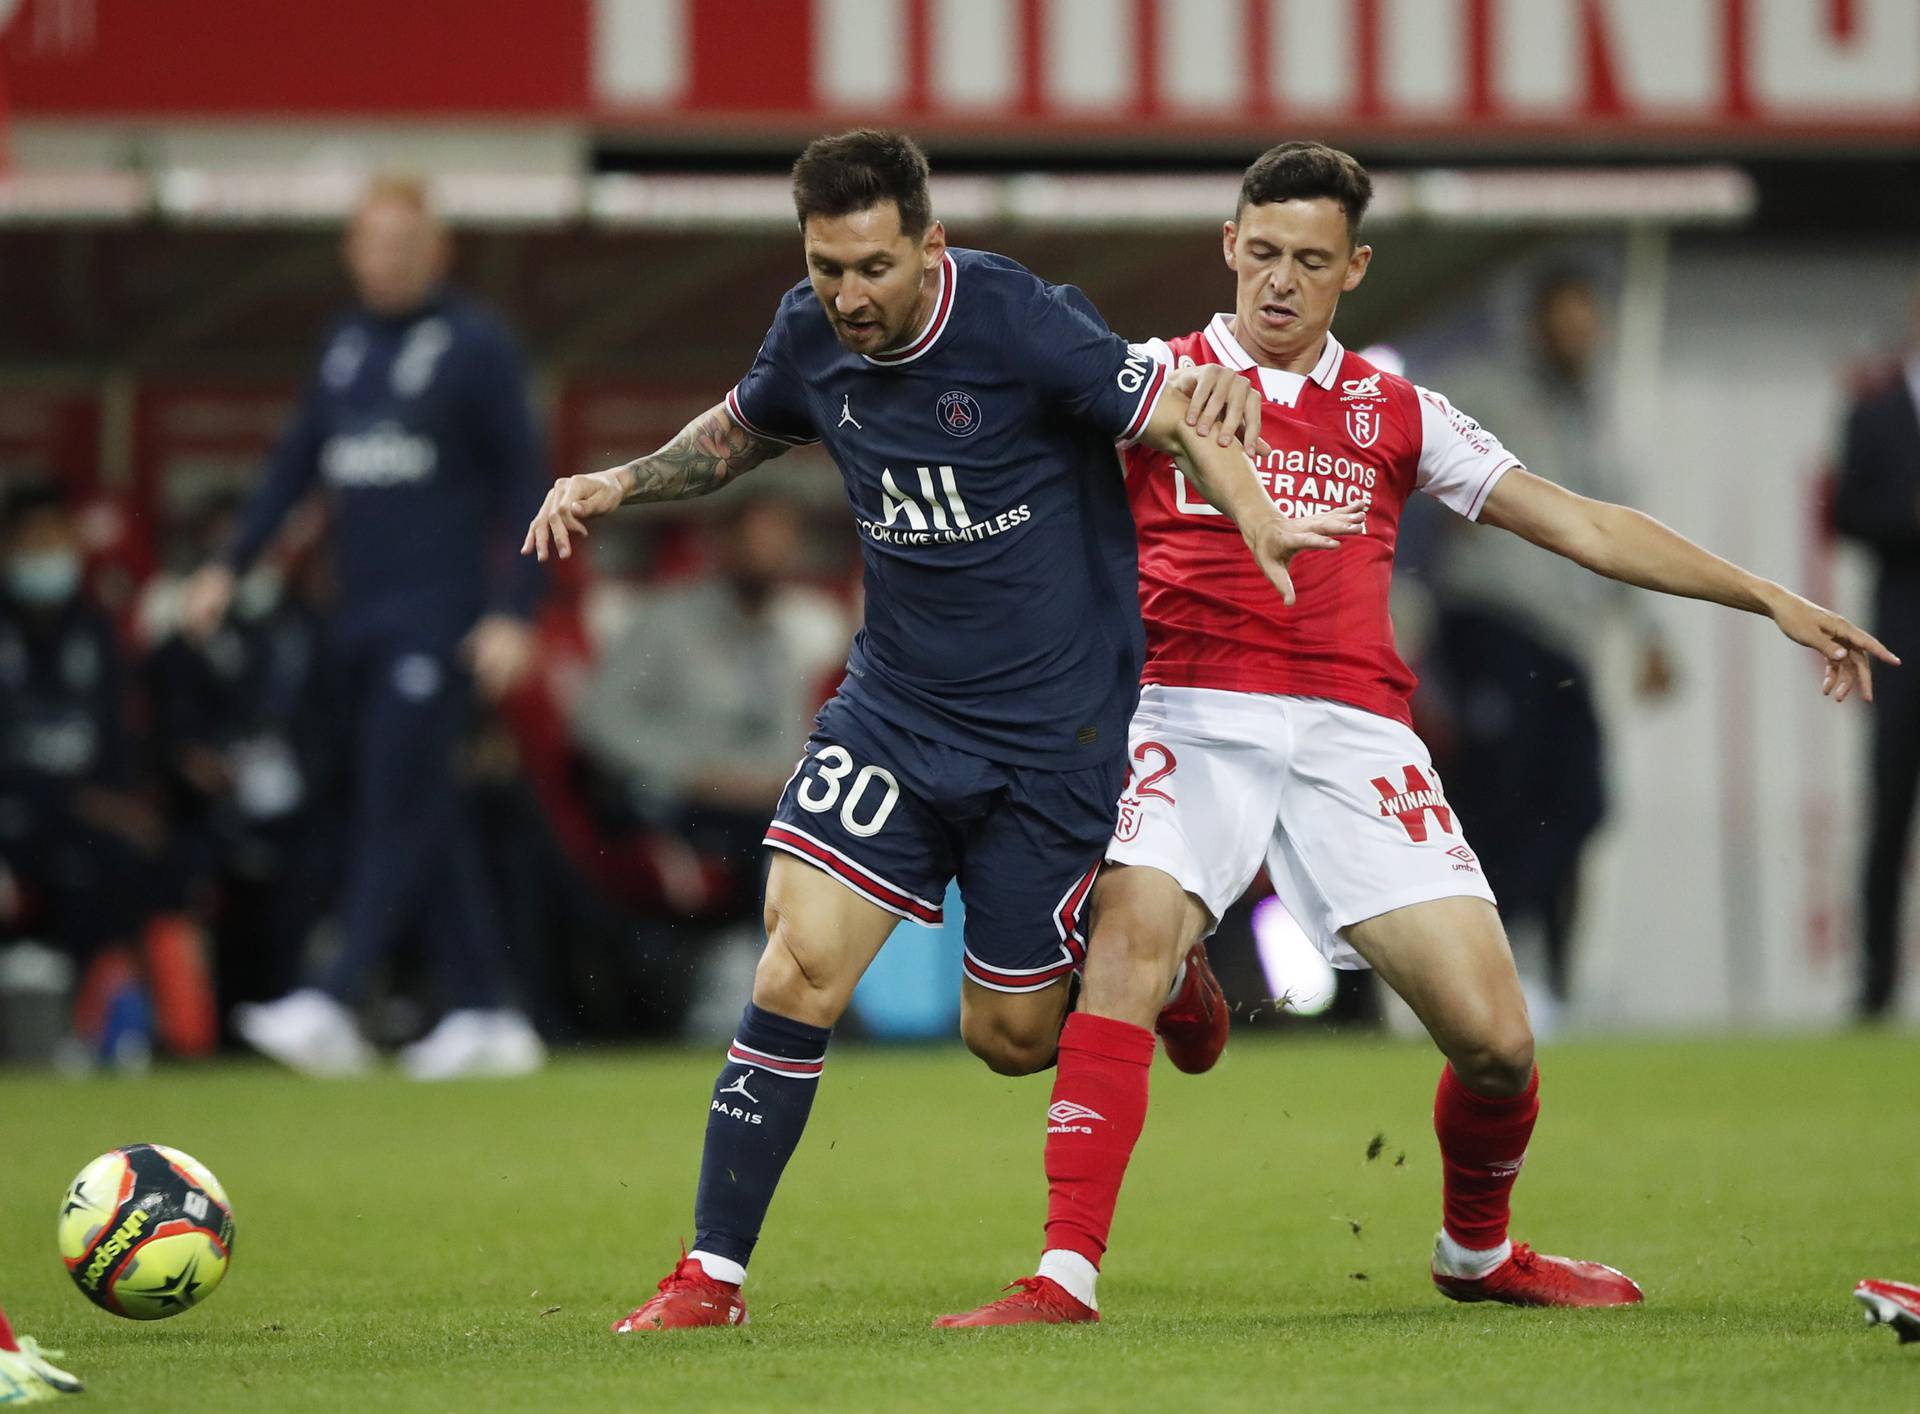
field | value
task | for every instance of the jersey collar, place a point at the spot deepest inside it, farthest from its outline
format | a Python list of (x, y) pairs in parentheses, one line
[(1278, 385), (936, 325)]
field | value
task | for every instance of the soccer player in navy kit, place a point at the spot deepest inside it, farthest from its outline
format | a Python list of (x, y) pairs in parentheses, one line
[(980, 734), (418, 427)]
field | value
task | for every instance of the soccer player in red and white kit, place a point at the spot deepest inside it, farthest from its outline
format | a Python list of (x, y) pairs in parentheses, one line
[(1280, 734)]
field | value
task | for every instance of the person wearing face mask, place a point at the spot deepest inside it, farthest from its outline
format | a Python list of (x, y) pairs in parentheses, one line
[(418, 431), (696, 713), (74, 836)]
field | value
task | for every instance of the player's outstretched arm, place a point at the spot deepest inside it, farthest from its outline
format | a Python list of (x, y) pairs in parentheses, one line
[(1628, 545), (1227, 479), (707, 453)]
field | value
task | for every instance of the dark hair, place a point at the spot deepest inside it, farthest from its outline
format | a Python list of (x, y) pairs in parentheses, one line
[(1562, 279), (849, 172), (1301, 171)]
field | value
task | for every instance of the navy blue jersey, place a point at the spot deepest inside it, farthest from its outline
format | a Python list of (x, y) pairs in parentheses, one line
[(419, 428), (1002, 608)]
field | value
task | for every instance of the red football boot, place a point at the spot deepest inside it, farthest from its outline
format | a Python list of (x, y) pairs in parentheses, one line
[(1040, 1301), (1194, 1024), (1891, 1303), (1530, 1278), (688, 1297)]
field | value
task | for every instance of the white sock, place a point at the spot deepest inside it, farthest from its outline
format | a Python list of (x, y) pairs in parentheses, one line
[(1179, 981), (1074, 1273), (720, 1268), (1452, 1260)]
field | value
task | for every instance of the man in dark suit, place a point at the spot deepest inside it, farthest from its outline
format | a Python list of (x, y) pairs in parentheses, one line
[(1878, 504)]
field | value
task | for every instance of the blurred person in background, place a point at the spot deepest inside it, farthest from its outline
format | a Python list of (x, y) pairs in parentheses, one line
[(418, 427), (1516, 636), (242, 736), (1878, 504), (699, 710), (76, 840)]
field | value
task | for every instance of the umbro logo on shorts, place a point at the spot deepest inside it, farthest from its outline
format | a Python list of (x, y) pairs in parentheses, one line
[(1065, 1117)]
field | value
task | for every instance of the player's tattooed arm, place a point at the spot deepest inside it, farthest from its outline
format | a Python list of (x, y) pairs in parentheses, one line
[(1224, 476), (1634, 548), (707, 453)]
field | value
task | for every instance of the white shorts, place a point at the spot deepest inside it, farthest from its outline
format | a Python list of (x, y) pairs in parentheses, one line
[(1342, 805)]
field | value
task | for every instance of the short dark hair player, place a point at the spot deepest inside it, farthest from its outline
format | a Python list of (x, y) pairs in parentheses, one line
[(1280, 737)]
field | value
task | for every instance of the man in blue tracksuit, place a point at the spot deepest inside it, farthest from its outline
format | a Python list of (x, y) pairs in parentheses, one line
[(417, 426)]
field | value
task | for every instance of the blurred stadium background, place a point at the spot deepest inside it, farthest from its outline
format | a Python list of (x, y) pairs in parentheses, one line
[(1740, 178)]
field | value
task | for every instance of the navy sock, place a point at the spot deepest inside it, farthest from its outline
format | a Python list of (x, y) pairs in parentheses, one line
[(759, 1109)]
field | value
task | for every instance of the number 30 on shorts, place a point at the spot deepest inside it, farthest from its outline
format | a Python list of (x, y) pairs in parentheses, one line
[(829, 769)]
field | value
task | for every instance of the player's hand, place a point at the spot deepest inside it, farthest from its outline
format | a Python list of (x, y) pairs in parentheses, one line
[(1219, 398), (1846, 651), (499, 650), (573, 501), (1279, 538), (205, 600)]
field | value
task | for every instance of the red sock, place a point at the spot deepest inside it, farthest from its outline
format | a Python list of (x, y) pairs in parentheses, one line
[(7, 1342), (1099, 1107), (1483, 1141)]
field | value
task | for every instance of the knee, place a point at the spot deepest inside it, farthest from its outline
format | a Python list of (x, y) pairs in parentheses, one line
[(1128, 970), (1126, 946), (790, 979), (1009, 1049), (1499, 1061)]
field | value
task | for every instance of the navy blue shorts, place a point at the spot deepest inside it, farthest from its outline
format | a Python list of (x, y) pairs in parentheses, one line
[(894, 816)]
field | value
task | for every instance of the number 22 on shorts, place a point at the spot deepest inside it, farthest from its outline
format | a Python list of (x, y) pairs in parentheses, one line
[(1134, 796)]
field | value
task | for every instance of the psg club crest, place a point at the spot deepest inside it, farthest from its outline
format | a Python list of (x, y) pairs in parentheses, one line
[(959, 414), (1363, 398)]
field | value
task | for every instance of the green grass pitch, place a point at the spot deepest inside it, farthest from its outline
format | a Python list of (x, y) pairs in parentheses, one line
[(465, 1247)]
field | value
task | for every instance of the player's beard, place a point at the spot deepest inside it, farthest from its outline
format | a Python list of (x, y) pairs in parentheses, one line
[(883, 335)]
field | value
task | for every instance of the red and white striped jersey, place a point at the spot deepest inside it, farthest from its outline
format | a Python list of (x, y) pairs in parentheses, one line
[(1346, 434)]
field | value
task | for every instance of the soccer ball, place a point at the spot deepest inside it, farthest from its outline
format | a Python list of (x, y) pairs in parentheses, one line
[(146, 1232)]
